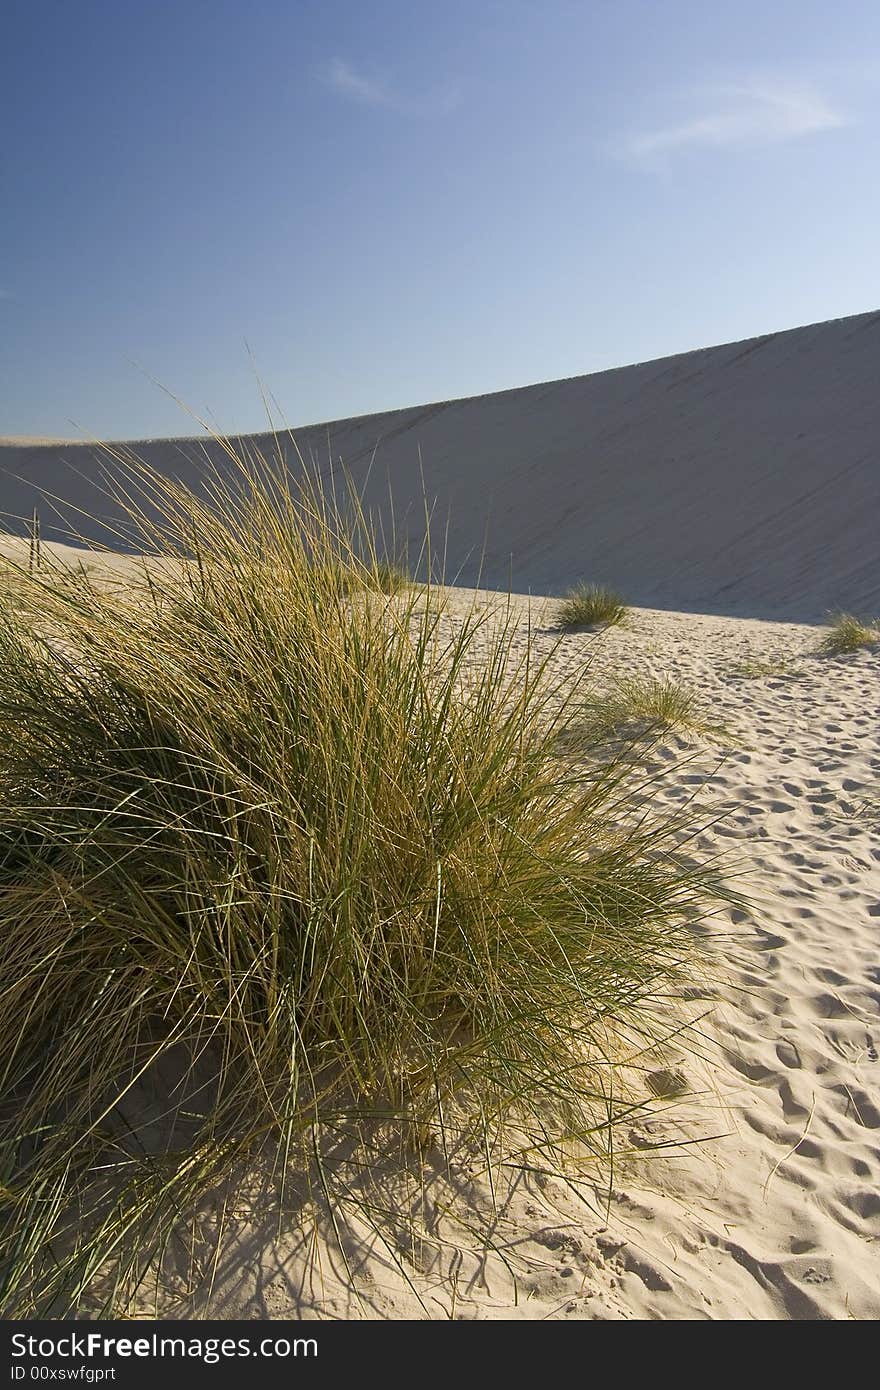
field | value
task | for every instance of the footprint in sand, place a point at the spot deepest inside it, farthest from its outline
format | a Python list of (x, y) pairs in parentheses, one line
[(788, 1054)]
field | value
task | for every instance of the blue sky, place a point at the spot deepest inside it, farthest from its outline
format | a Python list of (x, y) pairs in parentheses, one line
[(394, 202)]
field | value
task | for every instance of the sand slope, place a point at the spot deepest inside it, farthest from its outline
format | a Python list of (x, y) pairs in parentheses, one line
[(741, 479)]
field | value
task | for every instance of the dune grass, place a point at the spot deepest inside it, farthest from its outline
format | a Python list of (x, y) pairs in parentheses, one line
[(289, 855), (590, 605), (391, 578), (635, 707), (849, 634), (763, 668)]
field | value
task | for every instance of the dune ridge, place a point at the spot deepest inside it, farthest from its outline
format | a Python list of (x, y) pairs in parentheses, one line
[(741, 479)]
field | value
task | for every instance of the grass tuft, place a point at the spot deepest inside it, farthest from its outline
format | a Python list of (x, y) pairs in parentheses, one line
[(849, 634), (276, 861), (762, 668), (391, 578), (636, 707), (590, 605)]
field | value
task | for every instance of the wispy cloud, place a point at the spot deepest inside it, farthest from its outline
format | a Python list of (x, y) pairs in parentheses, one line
[(343, 78), (346, 80), (754, 112)]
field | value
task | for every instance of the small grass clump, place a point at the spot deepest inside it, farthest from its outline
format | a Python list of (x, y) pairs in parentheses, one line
[(635, 707), (390, 577), (762, 668), (293, 863), (849, 634), (590, 605)]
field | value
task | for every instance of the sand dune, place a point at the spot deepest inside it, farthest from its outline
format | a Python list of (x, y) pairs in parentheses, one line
[(742, 479), (716, 489)]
